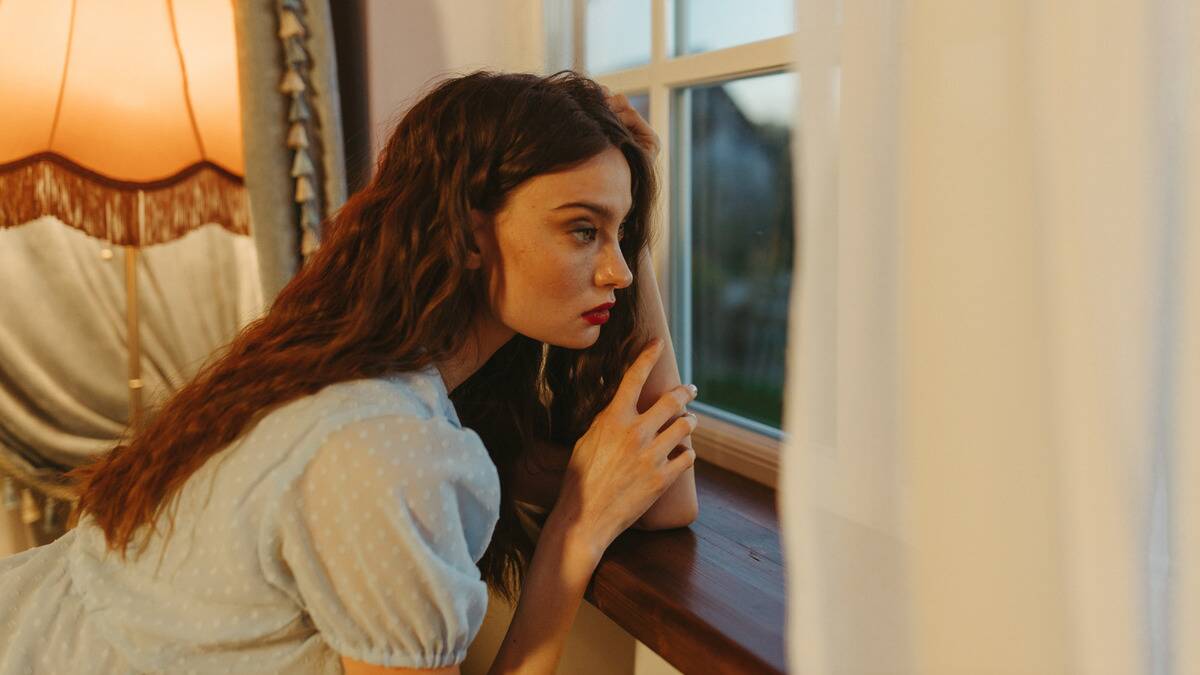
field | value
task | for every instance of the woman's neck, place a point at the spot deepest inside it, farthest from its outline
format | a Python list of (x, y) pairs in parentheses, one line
[(487, 336)]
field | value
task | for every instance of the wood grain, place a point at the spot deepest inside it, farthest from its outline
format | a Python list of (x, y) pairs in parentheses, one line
[(708, 598)]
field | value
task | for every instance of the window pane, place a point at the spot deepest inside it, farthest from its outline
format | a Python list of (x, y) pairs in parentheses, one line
[(704, 25), (640, 103), (736, 178), (618, 35)]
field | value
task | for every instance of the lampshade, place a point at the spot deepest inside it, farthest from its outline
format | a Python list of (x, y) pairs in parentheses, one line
[(116, 109)]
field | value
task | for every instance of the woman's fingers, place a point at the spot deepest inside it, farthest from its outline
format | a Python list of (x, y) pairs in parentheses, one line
[(679, 463), (633, 120), (619, 102), (635, 377), (673, 435), (669, 406)]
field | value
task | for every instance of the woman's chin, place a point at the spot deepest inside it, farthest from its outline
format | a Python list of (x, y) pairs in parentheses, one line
[(580, 340)]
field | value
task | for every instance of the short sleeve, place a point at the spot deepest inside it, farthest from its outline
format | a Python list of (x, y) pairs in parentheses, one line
[(381, 534)]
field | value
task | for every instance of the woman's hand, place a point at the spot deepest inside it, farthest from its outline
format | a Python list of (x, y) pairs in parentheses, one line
[(643, 135), (622, 464)]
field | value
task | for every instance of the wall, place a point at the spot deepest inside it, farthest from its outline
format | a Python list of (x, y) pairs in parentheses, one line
[(413, 44), (410, 46)]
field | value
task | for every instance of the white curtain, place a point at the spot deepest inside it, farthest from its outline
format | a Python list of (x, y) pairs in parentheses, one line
[(64, 394), (993, 407)]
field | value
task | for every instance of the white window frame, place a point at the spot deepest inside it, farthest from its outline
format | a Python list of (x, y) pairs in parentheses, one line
[(733, 442)]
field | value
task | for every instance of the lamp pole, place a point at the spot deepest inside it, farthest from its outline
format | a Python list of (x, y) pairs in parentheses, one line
[(131, 319)]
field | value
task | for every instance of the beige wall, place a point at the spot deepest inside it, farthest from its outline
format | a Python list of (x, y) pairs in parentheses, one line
[(410, 45)]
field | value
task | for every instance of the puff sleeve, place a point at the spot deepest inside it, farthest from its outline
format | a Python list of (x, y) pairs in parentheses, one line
[(381, 534)]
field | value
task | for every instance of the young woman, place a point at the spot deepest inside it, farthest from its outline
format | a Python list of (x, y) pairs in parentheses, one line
[(339, 487)]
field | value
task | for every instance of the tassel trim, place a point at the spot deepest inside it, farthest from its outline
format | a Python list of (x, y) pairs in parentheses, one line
[(302, 138), (297, 136), (49, 184)]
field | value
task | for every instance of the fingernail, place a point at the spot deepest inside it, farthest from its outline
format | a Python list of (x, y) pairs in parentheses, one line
[(692, 388)]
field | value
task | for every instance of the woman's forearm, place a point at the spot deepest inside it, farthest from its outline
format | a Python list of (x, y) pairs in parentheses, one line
[(558, 575), (678, 506), (540, 470)]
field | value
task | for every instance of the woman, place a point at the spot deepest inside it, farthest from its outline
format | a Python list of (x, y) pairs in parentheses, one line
[(313, 500)]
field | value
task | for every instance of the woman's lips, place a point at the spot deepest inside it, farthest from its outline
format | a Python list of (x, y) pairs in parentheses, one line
[(597, 315)]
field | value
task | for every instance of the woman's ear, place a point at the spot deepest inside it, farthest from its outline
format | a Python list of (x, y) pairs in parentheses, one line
[(481, 233)]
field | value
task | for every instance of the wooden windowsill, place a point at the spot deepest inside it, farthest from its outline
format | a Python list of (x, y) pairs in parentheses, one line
[(708, 598)]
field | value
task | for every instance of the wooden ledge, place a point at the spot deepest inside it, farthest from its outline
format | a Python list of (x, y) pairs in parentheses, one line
[(708, 598)]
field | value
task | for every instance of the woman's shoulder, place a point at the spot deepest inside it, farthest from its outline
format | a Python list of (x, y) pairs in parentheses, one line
[(402, 424), (412, 454), (419, 394), (392, 440), (397, 411)]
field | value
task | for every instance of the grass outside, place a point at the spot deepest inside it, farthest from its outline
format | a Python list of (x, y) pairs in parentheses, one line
[(757, 401)]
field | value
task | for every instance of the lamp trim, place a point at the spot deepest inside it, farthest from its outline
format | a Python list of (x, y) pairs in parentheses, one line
[(123, 212), (117, 184)]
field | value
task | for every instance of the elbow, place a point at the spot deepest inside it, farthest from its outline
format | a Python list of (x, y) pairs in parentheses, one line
[(682, 516)]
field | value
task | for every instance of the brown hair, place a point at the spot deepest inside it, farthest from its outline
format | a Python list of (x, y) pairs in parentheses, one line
[(388, 291)]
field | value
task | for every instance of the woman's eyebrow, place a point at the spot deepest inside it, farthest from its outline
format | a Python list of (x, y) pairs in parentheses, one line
[(599, 209)]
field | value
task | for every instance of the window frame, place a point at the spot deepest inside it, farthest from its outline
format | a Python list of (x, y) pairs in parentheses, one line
[(735, 443)]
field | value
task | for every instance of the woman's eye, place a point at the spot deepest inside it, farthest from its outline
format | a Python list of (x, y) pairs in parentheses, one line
[(585, 234), (621, 233)]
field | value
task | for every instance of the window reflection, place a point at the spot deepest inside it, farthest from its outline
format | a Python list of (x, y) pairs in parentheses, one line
[(736, 179), (704, 25), (617, 35)]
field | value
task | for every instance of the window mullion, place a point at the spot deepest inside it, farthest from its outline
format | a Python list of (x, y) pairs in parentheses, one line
[(579, 29), (626, 81), (729, 63), (660, 37), (678, 199), (669, 255)]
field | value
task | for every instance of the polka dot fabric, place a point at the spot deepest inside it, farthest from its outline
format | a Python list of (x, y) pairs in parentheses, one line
[(344, 523)]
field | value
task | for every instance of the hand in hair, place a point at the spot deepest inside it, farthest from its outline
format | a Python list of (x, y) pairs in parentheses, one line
[(643, 134), (623, 463)]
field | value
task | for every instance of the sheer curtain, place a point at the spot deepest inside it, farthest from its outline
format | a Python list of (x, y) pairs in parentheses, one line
[(993, 459)]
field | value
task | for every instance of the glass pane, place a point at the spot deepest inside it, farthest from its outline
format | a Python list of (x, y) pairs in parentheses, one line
[(640, 103), (736, 174), (618, 35), (704, 25)]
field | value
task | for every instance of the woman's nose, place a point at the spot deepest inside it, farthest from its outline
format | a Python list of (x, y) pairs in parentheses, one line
[(612, 270)]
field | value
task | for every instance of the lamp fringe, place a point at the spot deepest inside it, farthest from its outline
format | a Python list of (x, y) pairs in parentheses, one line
[(108, 210)]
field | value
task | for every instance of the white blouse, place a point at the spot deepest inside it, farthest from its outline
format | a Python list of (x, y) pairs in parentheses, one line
[(348, 522)]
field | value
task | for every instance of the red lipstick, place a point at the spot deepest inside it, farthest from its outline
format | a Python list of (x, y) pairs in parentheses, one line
[(599, 314)]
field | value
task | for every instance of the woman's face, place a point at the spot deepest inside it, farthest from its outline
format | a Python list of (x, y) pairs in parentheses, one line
[(552, 254)]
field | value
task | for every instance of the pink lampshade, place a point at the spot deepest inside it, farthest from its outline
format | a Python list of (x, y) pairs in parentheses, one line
[(106, 98)]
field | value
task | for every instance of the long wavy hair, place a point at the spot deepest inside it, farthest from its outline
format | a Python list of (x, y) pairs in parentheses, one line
[(389, 291)]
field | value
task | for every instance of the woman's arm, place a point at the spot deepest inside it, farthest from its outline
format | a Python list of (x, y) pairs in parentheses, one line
[(678, 506), (618, 468), (352, 667), (540, 469), (558, 575)]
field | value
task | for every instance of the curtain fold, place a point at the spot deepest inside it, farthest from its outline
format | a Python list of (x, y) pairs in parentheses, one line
[(265, 123), (992, 462), (64, 395)]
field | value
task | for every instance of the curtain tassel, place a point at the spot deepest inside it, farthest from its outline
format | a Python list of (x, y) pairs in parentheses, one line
[(48, 515), (30, 513)]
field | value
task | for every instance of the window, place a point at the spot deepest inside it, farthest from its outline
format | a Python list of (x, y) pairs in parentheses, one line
[(713, 79)]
